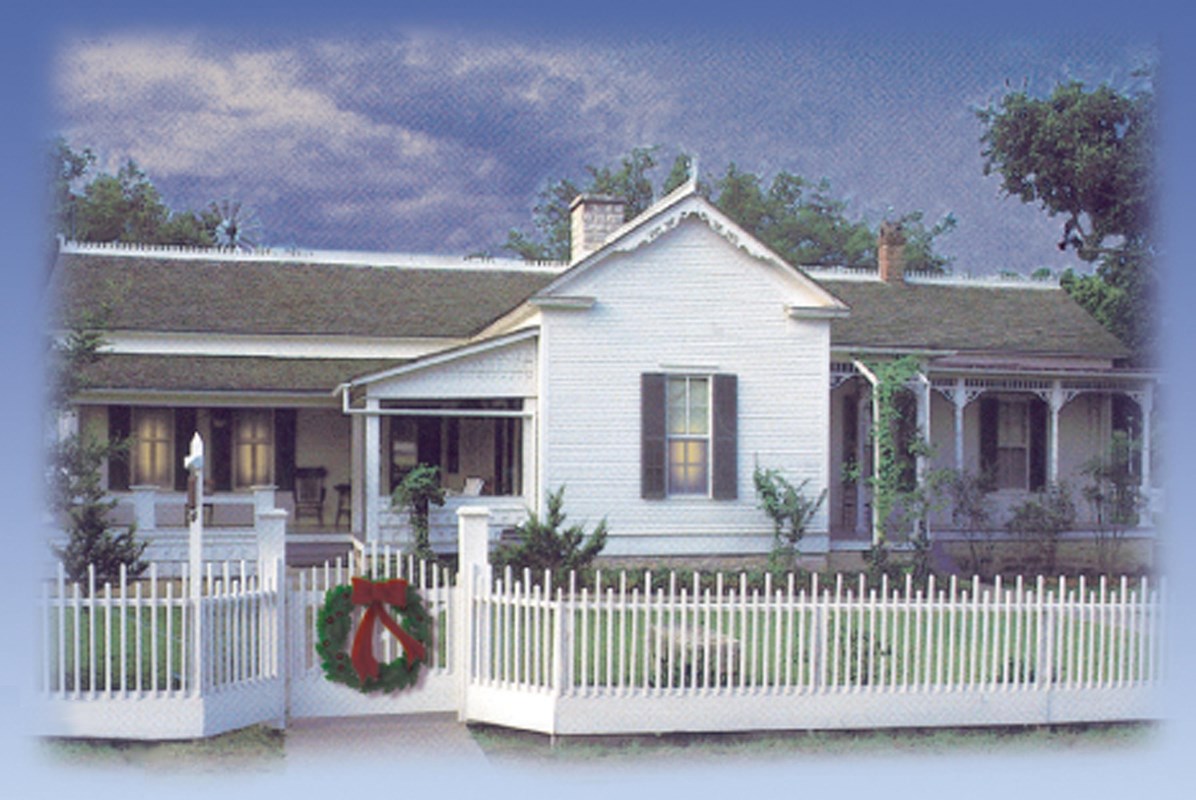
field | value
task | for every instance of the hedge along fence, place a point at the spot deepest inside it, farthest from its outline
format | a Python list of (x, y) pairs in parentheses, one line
[(1097, 641)]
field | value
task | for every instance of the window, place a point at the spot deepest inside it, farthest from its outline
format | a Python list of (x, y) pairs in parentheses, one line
[(153, 434), (689, 436), (1013, 442), (253, 447)]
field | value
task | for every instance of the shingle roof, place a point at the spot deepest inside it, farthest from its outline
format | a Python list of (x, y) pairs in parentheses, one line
[(147, 293), (183, 373), (967, 318)]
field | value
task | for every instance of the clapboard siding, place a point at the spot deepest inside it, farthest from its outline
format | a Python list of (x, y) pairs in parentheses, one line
[(688, 303), (508, 371)]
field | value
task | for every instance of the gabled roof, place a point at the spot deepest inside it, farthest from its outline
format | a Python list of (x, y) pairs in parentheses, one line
[(686, 202), (147, 291), (967, 318)]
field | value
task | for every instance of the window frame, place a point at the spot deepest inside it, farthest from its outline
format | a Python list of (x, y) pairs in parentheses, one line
[(266, 448), (162, 447), (683, 434)]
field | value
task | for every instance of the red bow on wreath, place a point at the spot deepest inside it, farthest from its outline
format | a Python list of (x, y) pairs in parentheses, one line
[(377, 596)]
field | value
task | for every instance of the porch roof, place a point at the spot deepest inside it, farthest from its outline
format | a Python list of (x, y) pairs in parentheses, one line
[(188, 373), (149, 291), (967, 318)]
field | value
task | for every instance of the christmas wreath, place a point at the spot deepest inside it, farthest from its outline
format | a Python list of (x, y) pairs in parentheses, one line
[(359, 669)]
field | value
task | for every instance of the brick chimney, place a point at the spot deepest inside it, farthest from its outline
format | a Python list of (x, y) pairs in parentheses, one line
[(593, 218), (890, 252)]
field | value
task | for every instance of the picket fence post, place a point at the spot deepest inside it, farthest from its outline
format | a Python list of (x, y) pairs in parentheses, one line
[(473, 570), (271, 524)]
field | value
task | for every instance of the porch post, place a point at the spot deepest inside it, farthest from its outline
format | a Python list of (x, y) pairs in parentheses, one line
[(373, 468), (1146, 403), (1056, 403), (959, 399), (863, 429), (473, 578), (922, 397), (530, 474), (356, 474)]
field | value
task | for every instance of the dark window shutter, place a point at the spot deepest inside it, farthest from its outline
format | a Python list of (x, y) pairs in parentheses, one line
[(1038, 445), (120, 425), (652, 436), (184, 429), (725, 479), (989, 408), (220, 449), (284, 448)]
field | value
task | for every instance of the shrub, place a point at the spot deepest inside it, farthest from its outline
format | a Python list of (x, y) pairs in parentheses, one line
[(1114, 493), (1038, 521), (971, 513), (415, 494), (543, 545), (790, 511)]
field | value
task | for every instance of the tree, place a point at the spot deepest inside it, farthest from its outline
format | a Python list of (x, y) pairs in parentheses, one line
[(75, 469), (543, 545), (800, 219), (1087, 155), (127, 207)]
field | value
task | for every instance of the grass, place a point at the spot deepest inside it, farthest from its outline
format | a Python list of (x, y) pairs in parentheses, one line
[(520, 748), (252, 749)]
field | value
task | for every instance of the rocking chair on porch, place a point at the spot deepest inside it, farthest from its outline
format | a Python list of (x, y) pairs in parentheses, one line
[(310, 492)]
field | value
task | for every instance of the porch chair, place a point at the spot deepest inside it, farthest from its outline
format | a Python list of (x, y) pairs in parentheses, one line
[(344, 504), (310, 492)]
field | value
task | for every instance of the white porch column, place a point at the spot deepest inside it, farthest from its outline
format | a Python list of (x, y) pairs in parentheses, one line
[(356, 474), (1055, 403), (863, 431), (1146, 404), (531, 475), (922, 399), (373, 468), (959, 399)]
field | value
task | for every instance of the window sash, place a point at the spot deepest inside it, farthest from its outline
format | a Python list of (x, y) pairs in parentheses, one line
[(688, 412), (253, 448), (153, 442)]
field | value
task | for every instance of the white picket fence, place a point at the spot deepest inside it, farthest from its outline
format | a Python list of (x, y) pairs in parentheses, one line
[(127, 660), (631, 654), (726, 657)]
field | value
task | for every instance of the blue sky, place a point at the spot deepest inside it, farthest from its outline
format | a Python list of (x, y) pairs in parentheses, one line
[(432, 130)]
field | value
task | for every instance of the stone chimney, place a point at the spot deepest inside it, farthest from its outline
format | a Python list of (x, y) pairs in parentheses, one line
[(890, 252), (593, 218)]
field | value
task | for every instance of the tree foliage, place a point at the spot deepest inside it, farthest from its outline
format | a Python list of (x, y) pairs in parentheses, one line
[(416, 494), (800, 219), (1088, 156), (75, 465), (543, 545), (126, 207)]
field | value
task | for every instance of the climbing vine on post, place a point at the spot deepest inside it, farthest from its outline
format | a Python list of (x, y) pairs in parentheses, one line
[(891, 483)]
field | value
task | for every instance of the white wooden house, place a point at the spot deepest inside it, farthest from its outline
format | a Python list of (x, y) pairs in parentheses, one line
[(649, 376)]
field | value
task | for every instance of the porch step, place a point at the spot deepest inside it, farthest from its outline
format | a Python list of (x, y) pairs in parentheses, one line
[(314, 554)]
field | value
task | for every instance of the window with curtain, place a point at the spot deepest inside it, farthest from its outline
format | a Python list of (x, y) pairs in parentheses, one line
[(688, 412), (153, 435), (253, 448)]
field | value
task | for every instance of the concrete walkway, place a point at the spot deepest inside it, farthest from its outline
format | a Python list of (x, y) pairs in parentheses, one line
[(409, 737)]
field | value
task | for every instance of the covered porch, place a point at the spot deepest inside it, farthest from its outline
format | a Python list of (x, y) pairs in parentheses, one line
[(1020, 430)]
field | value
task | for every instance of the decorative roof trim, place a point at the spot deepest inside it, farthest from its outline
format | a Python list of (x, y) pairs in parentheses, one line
[(347, 258)]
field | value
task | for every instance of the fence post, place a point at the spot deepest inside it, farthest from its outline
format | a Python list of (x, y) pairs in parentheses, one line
[(271, 525), (473, 571)]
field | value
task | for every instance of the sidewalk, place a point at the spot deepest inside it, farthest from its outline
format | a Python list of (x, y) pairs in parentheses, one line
[(382, 738)]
